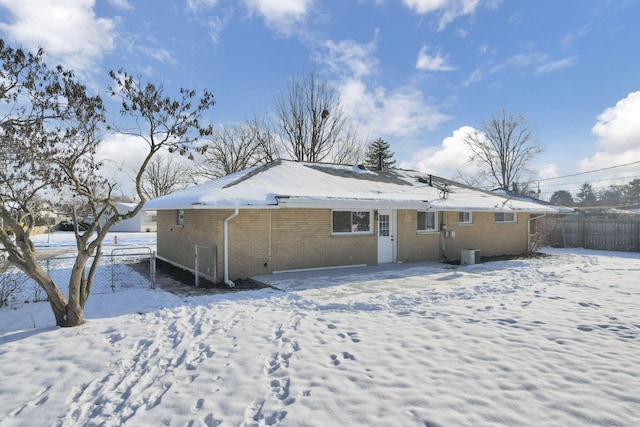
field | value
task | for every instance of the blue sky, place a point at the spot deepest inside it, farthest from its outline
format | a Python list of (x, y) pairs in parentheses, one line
[(418, 73)]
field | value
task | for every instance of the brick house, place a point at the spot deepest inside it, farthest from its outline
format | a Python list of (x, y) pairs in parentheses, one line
[(289, 215)]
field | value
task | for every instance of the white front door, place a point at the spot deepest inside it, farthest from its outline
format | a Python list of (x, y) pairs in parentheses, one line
[(386, 236)]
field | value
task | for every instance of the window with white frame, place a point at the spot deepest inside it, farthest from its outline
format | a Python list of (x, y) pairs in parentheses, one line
[(354, 222), (465, 217), (427, 221), (180, 217), (505, 217)]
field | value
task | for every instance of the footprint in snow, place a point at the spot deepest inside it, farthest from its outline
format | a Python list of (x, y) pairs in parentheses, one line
[(352, 335), (588, 304), (277, 332), (210, 421), (347, 355)]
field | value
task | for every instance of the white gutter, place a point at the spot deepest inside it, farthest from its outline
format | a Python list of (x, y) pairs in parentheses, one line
[(226, 248)]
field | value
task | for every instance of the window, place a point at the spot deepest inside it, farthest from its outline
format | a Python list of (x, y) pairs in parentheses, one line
[(352, 222), (180, 217), (465, 218), (427, 221), (505, 217)]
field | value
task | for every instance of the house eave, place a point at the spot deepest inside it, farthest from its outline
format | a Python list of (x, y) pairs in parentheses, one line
[(213, 206), (284, 202), (366, 204)]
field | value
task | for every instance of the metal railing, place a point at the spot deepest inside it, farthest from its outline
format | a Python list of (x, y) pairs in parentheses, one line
[(123, 269)]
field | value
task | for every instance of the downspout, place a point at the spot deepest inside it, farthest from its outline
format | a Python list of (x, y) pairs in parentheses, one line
[(529, 230), (226, 248)]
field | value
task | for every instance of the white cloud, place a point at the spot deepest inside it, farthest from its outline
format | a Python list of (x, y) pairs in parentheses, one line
[(550, 170), (618, 132), (69, 30), (217, 24), (282, 16), (159, 54), (400, 112), (356, 57), (533, 60), (121, 4), (474, 77), (123, 155), (121, 158), (378, 110), (447, 160), (618, 128), (521, 60), (197, 5), (435, 62), (449, 10), (550, 66)]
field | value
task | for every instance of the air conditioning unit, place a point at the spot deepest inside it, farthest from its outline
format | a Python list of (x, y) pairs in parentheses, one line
[(470, 256)]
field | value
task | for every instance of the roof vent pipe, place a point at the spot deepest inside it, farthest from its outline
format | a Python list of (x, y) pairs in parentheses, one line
[(226, 248)]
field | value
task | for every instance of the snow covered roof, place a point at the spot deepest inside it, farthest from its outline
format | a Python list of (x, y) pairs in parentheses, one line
[(523, 197), (286, 183), (124, 207)]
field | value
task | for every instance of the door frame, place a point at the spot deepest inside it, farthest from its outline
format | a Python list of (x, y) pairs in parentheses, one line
[(393, 233)]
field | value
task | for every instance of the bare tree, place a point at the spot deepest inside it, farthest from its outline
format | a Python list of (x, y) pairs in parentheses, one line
[(313, 123), (164, 176), (235, 148), (505, 146), (50, 132)]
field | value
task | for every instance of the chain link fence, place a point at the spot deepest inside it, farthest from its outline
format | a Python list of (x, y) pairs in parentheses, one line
[(122, 269)]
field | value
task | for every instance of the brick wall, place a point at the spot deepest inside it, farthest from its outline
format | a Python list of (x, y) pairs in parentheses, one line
[(264, 240), (484, 233), (201, 227), (301, 238), (413, 246)]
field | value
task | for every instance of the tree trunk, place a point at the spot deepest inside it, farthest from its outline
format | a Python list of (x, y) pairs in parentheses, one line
[(58, 304), (75, 312), (57, 300)]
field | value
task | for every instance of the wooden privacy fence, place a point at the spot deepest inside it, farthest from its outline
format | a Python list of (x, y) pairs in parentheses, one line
[(620, 234)]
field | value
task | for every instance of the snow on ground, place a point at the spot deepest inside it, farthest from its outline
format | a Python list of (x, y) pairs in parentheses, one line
[(550, 341), (66, 239)]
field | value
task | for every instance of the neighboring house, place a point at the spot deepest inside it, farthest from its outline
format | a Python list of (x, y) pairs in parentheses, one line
[(290, 215), (144, 221)]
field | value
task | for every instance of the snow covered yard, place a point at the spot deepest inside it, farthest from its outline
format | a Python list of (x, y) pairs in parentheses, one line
[(549, 341)]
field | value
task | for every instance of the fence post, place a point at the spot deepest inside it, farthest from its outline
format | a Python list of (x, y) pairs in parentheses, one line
[(152, 269), (113, 273), (197, 270), (215, 264)]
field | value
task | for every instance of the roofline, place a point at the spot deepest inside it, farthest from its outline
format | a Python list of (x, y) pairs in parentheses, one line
[(285, 202)]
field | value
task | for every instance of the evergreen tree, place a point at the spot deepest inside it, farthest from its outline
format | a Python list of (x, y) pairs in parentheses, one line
[(587, 196), (562, 198), (379, 155), (632, 192)]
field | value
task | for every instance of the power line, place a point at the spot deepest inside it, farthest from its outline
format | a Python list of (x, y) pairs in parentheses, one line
[(584, 173), (620, 178)]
